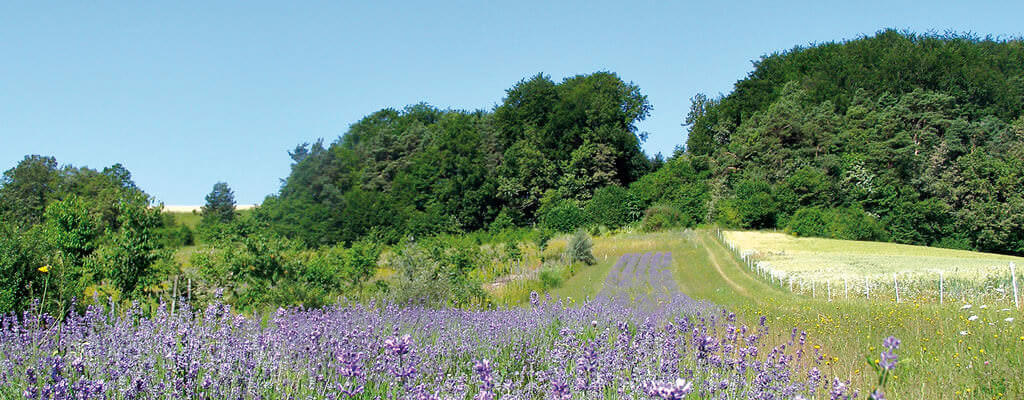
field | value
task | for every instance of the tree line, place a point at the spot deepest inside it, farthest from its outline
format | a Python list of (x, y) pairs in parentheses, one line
[(421, 171)]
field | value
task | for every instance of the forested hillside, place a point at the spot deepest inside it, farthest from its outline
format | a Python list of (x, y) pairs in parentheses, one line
[(912, 138), (423, 171)]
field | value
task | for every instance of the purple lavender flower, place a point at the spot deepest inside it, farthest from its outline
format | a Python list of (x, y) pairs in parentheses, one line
[(670, 391), (483, 370), (887, 360), (560, 390), (891, 343), (399, 345)]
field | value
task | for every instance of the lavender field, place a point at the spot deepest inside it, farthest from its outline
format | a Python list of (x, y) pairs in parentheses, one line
[(639, 338)]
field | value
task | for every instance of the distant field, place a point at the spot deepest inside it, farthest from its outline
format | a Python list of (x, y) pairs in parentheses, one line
[(821, 259), (198, 209), (190, 215)]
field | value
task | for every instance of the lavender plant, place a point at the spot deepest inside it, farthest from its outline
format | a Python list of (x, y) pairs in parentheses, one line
[(640, 338), (884, 366)]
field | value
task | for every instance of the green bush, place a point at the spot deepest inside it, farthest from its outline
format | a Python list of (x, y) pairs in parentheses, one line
[(811, 221), (682, 182), (853, 223), (754, 203), (506, 220), (550, 278), (566, 216), (435, 273), (840, 223), (580, 248), (610, 207), (663, 216), (18, 267)]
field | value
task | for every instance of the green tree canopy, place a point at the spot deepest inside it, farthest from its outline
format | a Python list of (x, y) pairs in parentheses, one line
[(220, 204)]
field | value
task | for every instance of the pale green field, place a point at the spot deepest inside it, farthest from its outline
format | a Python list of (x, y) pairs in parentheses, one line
[(191, 219), (188, 219), (830, 259)]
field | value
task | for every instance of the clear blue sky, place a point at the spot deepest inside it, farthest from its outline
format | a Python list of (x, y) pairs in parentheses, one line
[(186, 94)]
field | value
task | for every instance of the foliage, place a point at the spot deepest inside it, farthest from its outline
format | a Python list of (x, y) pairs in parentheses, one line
[(610, 207), (581, 248), (682, 182), (664, 216), (422, 171), (20, 279), (550, 278), (26, 189), (95, 232), (885, 124), (133, 248), (504, 221), (435, 274), (565, 216), (543, 237), (220, 204), (839, 223)]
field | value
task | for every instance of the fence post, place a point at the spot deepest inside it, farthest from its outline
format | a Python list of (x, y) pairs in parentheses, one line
[(791, 283), (867, 289), (828, 284), (846, 287), (896, 284), (174, 294), (1013, 272), (941, 289)]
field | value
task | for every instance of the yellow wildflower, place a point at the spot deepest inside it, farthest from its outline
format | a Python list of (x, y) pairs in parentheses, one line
[(44, 269)]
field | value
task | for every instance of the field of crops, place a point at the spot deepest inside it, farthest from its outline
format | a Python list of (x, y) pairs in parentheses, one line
[(843, 268)]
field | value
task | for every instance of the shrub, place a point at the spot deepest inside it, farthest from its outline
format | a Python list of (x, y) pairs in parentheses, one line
[(754, 203), (564, 217), (812, 221), (581, 248), (682, 181), (18, 267), (434, 274), (550, 278), (663, 216), (610, 207), (506, 220), (542, 239), (840, 223), (854, 224)]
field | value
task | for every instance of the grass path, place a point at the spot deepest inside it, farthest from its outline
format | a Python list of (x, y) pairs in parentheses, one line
[(713, 258)]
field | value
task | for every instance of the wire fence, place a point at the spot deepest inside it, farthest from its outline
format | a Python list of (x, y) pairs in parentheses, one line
[(998, 284)]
